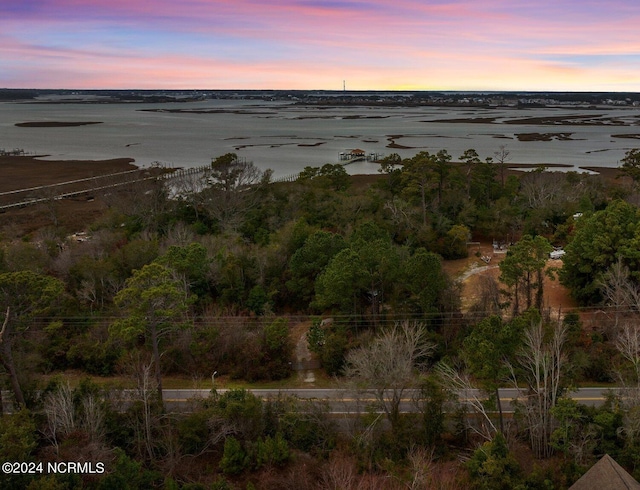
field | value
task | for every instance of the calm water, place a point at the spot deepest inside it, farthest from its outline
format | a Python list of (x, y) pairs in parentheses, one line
[(287, 138)]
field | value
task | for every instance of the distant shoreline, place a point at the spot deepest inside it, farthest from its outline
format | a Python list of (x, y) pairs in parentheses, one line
[(451, 98), (27, 171)]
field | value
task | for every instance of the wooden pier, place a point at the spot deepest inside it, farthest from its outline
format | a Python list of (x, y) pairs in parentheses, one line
[(345, 158), (16, 152), (358, 155), (73, 188), (69, 189)]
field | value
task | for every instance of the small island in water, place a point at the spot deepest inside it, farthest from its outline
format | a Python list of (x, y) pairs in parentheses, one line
[(56, 124)]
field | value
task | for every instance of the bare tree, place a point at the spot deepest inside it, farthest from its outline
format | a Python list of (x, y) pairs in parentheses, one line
[(628, 344), (70, 413), (619, 291), (340, 473), (460, 384), (389, 365), (92, 417), (540, 188), (187, 186), (179, 234), (420, 468), (542, 360), (61, 414), (145, 421), (88, 293), (401, 212), (502, 156)]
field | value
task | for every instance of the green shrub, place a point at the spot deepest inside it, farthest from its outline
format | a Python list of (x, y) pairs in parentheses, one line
[(333, 353), (221, 484), (272, 452), (129, 474), (234, 460), (244, 411), (492, 467), (308, 428)]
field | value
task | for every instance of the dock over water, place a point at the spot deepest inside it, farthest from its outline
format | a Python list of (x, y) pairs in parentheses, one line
[(357, 155)]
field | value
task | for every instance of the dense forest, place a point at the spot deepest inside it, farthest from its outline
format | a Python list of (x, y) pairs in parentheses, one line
[(181, 277)]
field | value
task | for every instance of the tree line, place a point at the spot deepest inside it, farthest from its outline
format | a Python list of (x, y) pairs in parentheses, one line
[(213, 272)]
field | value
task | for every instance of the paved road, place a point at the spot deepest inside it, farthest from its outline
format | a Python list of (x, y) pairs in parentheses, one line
[(342, 401), (349, 401)]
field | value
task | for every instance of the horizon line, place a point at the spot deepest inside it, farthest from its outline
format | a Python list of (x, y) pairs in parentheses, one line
[(160, 89)]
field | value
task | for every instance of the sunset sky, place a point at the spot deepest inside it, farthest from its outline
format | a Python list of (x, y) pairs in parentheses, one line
[(562, 45)]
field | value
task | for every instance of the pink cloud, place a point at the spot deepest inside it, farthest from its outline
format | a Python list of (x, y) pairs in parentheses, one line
[(316, 43)]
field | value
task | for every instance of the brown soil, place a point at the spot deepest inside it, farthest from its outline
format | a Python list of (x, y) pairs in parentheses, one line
[(23, 172), (607, 173), (472, 269), (360, 181)]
